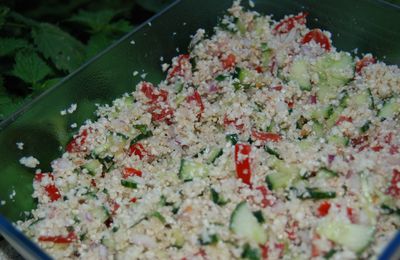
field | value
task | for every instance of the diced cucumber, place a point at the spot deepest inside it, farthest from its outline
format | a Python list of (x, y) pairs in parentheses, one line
[(144, 133), (245, 224), (179, 238), (300, 74), (284, 175), (129, 184), (108, 241), (317, 194), (233, 138), (250, 253), (214, 153), (158, 216), (325, 173), (334, 69), (179, 99), (344, 99), (259, 216), (363, 98), (191, 169), (318, 129), (99, 213), (245, 76), (354, 237), (178, 87), (221, 77), (217, 198), (241, 26), (208, 239), (338, 140), (365, 127), (390, 109), (93, 167), (266, 57), (272, 152)]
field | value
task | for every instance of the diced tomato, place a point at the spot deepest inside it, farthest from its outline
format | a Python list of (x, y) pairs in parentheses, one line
[(196, 98), (40, 176), (343, 119), (359, 140), (178, 70), (153, 94), (388, 138), (52, 191), (161, 114), (394, 188), (273, 66), (266, 136), (114, 207), (265, 202), (315, 252), (291, 230), (290, 104), (277, 88), (59, 239), (128, 171), (133, 200), (229, 61), (233, 122), (319, 37), (281, 248), (138, 150), (264, 251), (259, 69), (351, 215), (242, 162), (323, 209), (313, 99), (364, 62), (376, 148), (75, 145), (289, 23), (93, 183), (394, 149)]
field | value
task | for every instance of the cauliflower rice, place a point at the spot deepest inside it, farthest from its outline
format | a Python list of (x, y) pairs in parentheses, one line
[(263, 142)]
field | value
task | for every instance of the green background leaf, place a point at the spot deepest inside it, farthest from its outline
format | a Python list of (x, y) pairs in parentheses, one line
[(153, 5), (9, 45), (66, 52), (95, 21), (30, 67)]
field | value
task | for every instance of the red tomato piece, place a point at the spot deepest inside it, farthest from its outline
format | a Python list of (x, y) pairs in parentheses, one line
[(266, 136), (53, 192), (40, 176), (178, 70), (364, 62), (277, 88), (93, 183), (133, 200), (394, 149), (196, 98), (242, 162), (155, 95), (323, 209), (319, 37), (75, 145), (228, 122), (229, 61), (343, 119), (160, 114), (394, 188), (259, 69), (314, 248), (264, 251), (128, 171), (59, 239), (289, 23), (138, 150), (376, 148), (265, 202)]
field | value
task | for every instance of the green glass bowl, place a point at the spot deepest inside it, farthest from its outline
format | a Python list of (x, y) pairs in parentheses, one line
[(370, 26)]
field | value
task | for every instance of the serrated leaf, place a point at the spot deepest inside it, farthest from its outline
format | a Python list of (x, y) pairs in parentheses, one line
[(153, 5), (66, 52), (120, 26), (9, 45), (95, 21), (97, 43), (3, 14), (30, 67), (47, 84)]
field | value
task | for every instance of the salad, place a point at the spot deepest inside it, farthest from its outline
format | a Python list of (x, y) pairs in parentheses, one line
[(263, 142)]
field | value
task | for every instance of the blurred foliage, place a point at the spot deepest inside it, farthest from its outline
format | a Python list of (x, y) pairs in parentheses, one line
[(41, 41)]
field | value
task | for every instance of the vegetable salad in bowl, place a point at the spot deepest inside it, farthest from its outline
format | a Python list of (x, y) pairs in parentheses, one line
[(263, 142)]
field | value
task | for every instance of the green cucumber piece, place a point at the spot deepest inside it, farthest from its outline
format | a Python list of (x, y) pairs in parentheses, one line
[(354, 237), (317, 194), (250, 253), (191, 169), (299, 73), (233, 138), (390, 109), (338, 140), (272, 152), (179, 238), (325, 173), (213, 155), (208, 239), (217, 198), (93, 167), (285, 174), (129, 184), (246, 225)]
